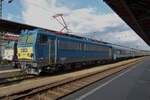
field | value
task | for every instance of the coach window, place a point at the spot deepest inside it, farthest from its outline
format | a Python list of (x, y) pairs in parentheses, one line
[(43, 38)]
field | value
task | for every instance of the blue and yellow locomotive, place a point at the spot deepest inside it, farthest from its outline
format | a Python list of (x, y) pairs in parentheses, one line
[(41, 50)]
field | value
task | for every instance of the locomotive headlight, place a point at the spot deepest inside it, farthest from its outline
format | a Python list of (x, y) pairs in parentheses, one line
[(28, 54), (31, 55)]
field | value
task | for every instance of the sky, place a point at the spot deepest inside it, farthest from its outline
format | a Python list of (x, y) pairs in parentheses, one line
[(88, 18)]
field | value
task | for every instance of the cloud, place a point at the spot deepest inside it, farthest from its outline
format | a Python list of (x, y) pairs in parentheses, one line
[(108, 27), (79, 20), (126, 38), (87, 20), (40, 13), (12, 17)]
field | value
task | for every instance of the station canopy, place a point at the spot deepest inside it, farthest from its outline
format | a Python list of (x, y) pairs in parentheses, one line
[(136, 13), (10, 30), (13, 27)]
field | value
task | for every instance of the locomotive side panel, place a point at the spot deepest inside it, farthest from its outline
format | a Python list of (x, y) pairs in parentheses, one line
[(70, 50)]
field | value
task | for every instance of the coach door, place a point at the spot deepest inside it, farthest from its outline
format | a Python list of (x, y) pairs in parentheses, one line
[(52, 51), (42, 49)]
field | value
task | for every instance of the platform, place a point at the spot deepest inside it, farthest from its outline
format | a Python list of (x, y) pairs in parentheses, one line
[(129, 84)]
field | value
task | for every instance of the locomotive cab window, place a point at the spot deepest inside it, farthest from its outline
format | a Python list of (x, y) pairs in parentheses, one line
[(43, 38)]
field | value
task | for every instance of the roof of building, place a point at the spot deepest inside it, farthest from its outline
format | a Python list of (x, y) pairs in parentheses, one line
[(14, 27), (136, 13)]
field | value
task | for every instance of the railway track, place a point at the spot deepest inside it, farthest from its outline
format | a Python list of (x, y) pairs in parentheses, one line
[(13, 76), (61, 88), (15, 79), (9, 73)]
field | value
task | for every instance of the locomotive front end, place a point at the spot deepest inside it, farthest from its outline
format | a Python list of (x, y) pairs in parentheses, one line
[(26, 52)]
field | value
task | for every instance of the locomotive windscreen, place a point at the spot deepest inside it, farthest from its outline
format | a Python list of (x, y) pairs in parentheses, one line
[(27, 38)]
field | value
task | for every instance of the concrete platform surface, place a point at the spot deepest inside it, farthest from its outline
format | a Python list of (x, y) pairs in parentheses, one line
[(129, 84)]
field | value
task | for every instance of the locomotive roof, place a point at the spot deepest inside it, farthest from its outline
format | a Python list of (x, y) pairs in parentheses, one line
[(74, 36), (87, 39)]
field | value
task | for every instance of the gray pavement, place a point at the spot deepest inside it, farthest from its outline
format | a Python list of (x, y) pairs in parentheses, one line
[(6, 67), (129, 84)]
